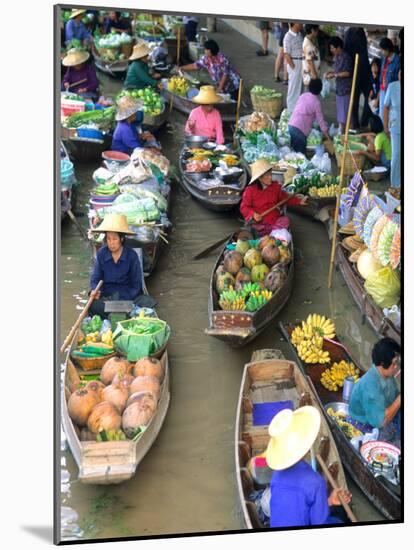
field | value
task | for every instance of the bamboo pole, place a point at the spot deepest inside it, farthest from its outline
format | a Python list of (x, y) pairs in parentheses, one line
[(178, 45), (341, 176), (238, 102)]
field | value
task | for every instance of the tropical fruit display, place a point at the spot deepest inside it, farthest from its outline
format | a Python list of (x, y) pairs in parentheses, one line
[(251, 272), (333, 377), (178, 85), (153, 102), (308, 338)]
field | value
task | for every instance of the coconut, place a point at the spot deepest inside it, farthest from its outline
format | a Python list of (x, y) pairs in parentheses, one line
[(243, 276), (245, 235), (220, 270), (148, 366), (259, 273), (233, 261), (145, 398), (114, 365), (285, 254), (104, 416), (136, 415), (146, 383), (367, 264), (270, 255), (242, 246), (224, 281), (117, 395), (124, 380), (97, 386), (275, 280), (81, 404), (252, 258), (266, 241)]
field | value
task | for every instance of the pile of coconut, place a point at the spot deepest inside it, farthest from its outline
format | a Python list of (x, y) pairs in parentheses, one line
[(124, 400)]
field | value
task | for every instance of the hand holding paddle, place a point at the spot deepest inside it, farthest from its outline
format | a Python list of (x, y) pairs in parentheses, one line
[(256, 215)]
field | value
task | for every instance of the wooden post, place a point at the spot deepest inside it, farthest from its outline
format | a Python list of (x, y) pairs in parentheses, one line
[(178, 45), (153, 24), (341, 176), (238, 102)]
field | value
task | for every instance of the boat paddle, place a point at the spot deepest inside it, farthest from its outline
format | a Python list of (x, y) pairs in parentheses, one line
[(331, 480), (212, 247), (80, 318), (77, 83), (78, 225)]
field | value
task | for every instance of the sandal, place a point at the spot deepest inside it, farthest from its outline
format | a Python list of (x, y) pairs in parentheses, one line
[(278, 79), (262, 53)]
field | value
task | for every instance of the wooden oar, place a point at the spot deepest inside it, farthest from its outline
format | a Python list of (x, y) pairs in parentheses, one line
[(77, 83), (336, 488), (78, 225), (80, 318)]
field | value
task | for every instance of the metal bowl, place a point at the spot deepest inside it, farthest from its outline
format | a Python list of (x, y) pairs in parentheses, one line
[(231, 176), (197, 176), (338, 406), (195, 141)]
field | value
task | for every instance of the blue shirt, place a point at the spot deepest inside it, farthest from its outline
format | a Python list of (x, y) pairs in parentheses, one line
[(298, 497), (392, 70), (371, 395), (123, 277), (109, 24), (125, 138), (76, 30), (393, 101)]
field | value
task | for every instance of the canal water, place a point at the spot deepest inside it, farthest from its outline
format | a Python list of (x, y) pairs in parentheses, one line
[(187, 483)]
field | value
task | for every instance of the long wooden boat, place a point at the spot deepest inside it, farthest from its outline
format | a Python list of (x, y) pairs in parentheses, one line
[(116, 69), (237, 328), (383, 326), (269, 378), (383, 494), (67, 194), (109, 462), (84, 149), (218, 199), (184, 105)]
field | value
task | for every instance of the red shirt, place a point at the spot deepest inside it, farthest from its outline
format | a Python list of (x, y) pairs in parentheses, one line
[(256, 199), (384, 73)]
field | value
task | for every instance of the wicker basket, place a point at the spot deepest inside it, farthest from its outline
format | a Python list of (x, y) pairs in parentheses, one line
[(349, 167), (92, 363), (272, 107)]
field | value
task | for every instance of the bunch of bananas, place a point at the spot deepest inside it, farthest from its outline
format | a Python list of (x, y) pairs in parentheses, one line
[(310, 351), (257, 300), (106, 337), (308, 338), (328, 191), (321, 324), (178, 85), (110, 435), (231, 300), (250, 288), (92, 337), (333, 378)]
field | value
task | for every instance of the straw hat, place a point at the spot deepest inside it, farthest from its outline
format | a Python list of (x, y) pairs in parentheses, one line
[(139, 50), (207, 96), (292, 434), (348, 229), (353, 242), (258, 168), (114, 222), (75, 13), (75, 57), (127, 106)]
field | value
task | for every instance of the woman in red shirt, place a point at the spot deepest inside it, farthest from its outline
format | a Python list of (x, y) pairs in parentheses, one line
[(262, 195)]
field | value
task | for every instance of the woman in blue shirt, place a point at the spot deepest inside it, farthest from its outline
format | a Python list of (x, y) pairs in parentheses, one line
[(126, 137), (116, 264), (298, 494), (76, 29)]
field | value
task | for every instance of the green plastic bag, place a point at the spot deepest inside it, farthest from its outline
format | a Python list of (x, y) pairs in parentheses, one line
[(384, 286), (155, 333)]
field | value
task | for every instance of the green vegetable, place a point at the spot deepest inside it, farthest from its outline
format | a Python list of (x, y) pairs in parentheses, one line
[(101, 117)]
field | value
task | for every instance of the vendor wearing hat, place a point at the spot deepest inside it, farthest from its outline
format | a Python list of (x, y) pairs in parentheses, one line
[(138, 75), (126, 137), (261, 194), (298, 494), (76, 29), (116, 264), (80, 77), (206, 120)]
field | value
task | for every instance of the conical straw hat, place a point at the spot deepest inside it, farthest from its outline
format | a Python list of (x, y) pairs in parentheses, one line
[(116, 223), (127, 106), (207, 96), (75, 13), (139, 50), (258, 168), (75, 57)]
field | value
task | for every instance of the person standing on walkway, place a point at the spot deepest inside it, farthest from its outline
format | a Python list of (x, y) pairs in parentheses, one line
[(280, 30), (343, 73), (390, 65), (355, 42), (373, 98), (293, 48), (392, 127), (311, 63), (190, 27), (264, 27)]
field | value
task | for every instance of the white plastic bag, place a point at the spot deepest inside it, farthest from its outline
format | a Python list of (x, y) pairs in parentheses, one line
[(322, 162), (326, 87)]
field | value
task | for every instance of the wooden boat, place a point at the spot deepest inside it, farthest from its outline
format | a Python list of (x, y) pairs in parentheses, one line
[(153, 123), (237, 328), (109, 462), (184, 105), (116, 69), (218, 199), (84, 149), (383, 326), (268, 378), (383, 494), (67, 192)]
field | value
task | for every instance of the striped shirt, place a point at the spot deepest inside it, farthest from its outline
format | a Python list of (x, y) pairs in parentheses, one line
[(293, 44)]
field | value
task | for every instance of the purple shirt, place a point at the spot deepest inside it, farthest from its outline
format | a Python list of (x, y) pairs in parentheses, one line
[(73, 75), (217, 67), (343, 62), (125, 138), (306, 111)]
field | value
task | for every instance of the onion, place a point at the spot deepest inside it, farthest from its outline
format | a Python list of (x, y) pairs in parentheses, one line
[(116, 395), (104, 416), (149, 366), (124, 380), (114, 365), (134, 416), (146, 383), (147, 398), (80, 405)]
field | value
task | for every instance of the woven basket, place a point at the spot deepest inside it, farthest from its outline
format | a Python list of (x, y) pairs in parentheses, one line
[(92, 363), (272, 107), (349, 168)]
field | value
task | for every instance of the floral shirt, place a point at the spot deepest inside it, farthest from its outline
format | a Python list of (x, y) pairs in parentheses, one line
[(343, 63), (217, 67)]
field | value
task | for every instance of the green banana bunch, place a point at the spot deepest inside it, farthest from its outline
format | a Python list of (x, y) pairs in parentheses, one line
[(250, 288), (255, 302), (110, 435)]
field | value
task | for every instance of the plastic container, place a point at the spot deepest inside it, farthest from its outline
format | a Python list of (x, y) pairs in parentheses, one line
[(66, 173), (90, 133), (115, 156), (70, 106)]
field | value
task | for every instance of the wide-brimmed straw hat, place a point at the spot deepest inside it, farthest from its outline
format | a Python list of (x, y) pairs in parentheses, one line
[(117, 223), (207, 96), (138, 51), (127, 106), (292, 434), (258, 168), (75, 57), (75, 13)]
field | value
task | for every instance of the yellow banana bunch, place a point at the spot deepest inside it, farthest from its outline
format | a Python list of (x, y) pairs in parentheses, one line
[(236, 305), (267, 294), (333, 378), (322, 325), (308, 338), (106, 337), (328, 191), (178, 85)]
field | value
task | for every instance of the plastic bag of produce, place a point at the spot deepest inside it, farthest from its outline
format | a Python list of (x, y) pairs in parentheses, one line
[(102, 175), (384, 286), (321, 161), (140, 337), (326, 87)]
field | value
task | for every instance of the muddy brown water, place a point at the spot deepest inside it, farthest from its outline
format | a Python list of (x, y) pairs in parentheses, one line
[(186, 483)]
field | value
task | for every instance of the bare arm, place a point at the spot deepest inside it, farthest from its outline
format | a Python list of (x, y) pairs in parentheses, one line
[(386, 120), (222, 82), (311, 67), (289, 60), (392, 410), (189, 67)]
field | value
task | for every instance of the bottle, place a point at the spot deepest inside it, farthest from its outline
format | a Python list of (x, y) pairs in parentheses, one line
[(347, 389)]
